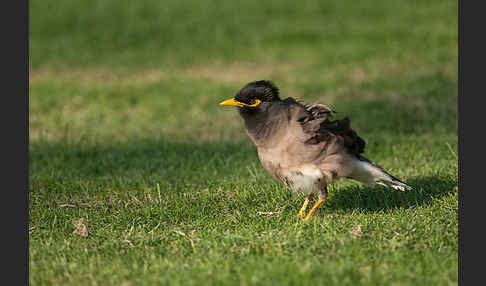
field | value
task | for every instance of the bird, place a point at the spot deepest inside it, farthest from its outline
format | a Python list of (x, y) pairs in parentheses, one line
[(302, 146)]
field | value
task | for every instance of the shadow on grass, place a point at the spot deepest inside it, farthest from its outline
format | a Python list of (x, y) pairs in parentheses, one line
[(154, 160), (424, 191)]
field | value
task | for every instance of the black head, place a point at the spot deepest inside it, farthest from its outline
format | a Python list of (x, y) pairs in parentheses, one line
[(263, 90), (253, 94)]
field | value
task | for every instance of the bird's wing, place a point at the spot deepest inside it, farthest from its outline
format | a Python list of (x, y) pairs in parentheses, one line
[(314, 116), (315, 120)]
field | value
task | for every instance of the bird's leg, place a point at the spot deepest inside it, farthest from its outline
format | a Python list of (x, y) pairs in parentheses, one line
[(322, 199), (314, 209), (306, 203)]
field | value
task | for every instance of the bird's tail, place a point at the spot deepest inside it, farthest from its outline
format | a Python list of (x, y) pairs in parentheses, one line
[(370, 173)]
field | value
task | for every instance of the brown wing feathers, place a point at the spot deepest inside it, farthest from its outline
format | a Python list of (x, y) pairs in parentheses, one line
[(317, 121)]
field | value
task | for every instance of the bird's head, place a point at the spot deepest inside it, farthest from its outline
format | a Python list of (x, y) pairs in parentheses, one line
[(254, 96)]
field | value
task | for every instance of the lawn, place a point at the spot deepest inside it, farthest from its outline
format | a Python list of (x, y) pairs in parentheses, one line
[(138, 177)]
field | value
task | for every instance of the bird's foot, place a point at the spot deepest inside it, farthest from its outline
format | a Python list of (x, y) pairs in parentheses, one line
[(314, 209), (304, 206), (301, 213)]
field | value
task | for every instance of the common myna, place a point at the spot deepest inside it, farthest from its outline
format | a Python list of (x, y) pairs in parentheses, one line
[(301, 146)]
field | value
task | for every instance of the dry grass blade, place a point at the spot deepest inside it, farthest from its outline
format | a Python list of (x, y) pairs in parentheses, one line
[(67, 205), (268, 213), (129, 242)]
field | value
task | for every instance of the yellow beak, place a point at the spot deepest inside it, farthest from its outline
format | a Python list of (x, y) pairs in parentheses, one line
[(234, 102)]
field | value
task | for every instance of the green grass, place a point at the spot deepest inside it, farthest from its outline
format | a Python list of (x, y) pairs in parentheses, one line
[(126, 133)]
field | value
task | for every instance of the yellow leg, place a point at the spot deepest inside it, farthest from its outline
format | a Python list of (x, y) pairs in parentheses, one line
[(304, 206), (314, 209)]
